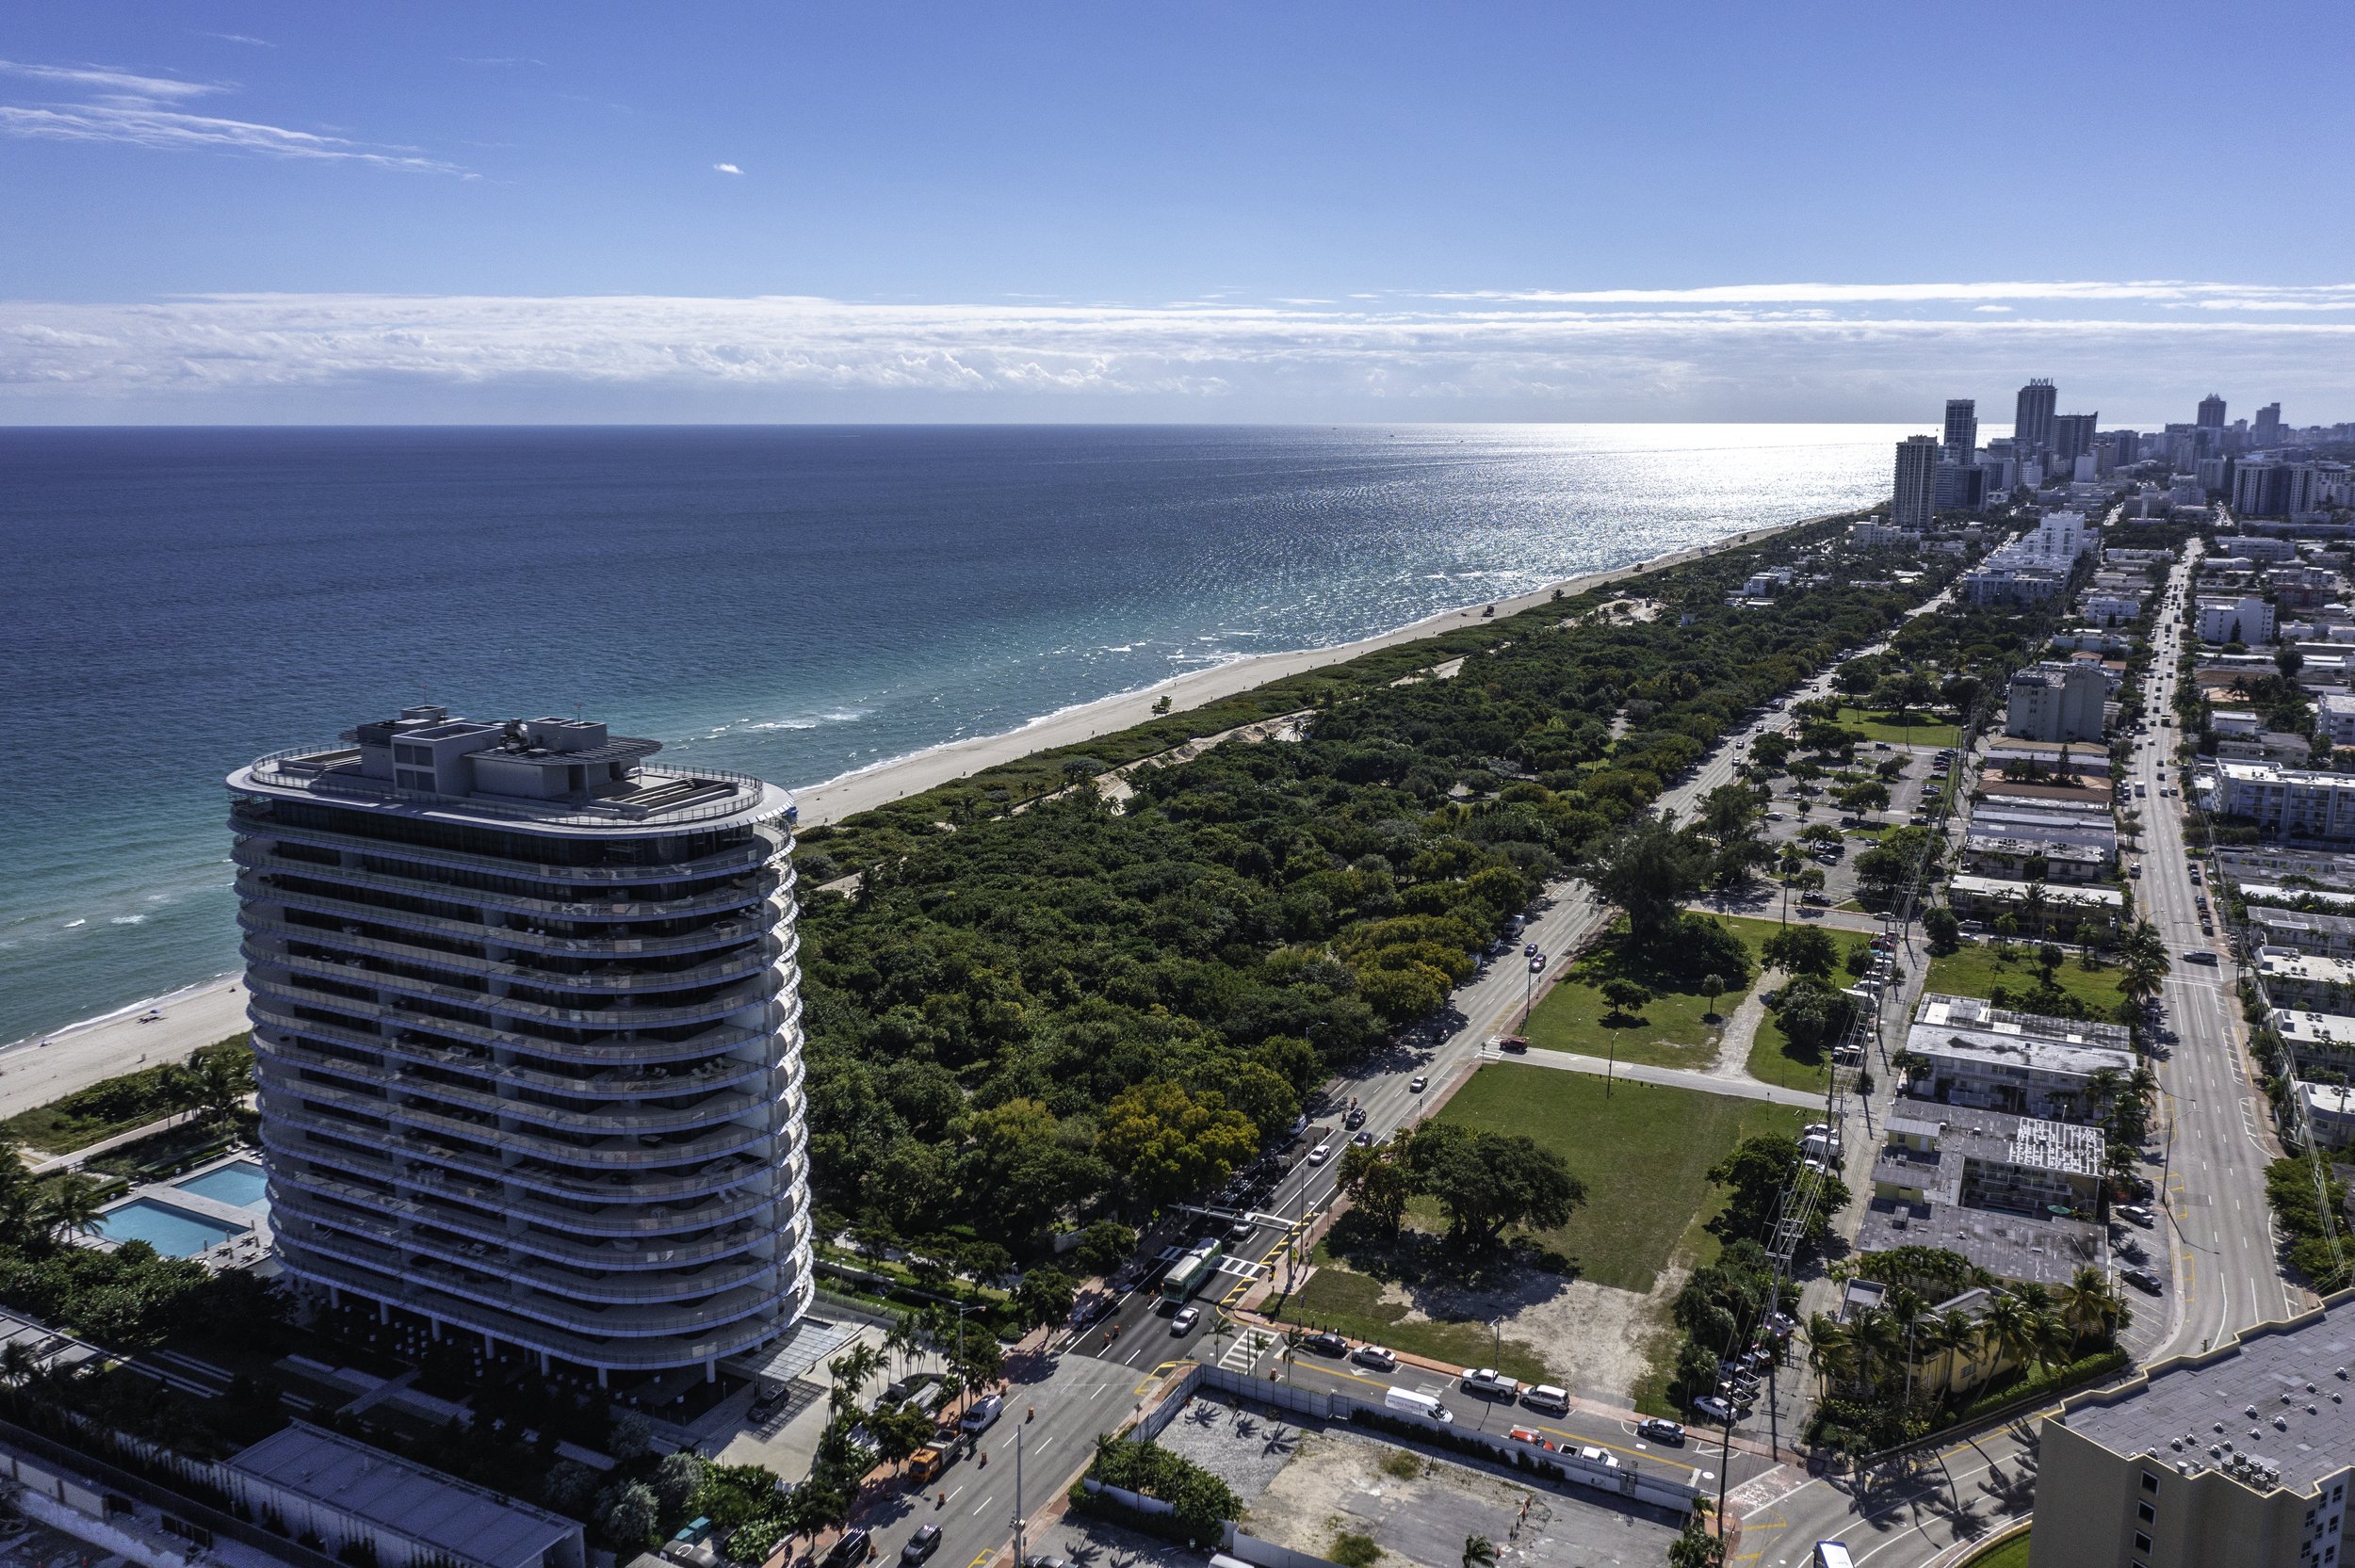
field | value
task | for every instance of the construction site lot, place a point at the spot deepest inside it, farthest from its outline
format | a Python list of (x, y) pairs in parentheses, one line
[(1311, 1486)]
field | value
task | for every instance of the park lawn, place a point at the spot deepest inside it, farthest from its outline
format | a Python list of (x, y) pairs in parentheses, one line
[(1673, 1029), (1643, 1150), (1882, 727), (1340, 1299), (1975, 970), (1773, 1058)]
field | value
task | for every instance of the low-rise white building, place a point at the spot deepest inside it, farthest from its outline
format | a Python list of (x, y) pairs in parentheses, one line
[(2296, 980), (1975, 1054), (2324, 1040), (2334, 717), (2237, 618), (2330, 1112), (2288, 803)]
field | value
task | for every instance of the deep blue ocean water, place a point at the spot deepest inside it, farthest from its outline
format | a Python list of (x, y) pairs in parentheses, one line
[(794, 602)]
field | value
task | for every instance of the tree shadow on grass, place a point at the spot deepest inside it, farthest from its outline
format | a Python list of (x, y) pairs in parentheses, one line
[(1451, 1284)]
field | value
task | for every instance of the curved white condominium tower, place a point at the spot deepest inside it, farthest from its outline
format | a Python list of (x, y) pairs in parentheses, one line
[(527, 1027)]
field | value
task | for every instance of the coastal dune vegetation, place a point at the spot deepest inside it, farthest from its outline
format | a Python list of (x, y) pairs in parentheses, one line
[(1020, 1019)]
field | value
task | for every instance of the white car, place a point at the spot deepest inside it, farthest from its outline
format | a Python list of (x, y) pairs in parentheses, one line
[(1319, 1154), (1375, 1357), (1184, 1323)]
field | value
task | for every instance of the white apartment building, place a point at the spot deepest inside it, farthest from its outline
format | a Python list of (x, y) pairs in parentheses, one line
[(2246, 619), (2334, 717), (2113, 608), (528, 1037), (2288, 803), (2330, 1112)]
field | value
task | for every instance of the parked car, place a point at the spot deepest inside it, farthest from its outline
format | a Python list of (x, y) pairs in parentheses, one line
[(1660, 1430), (1715, 1409), (1593, 1455), (1489, 1384), (1375, 1357), (1525, 1435), (1546, 1396), (1326, 1343), (2143, 1279), (986, 1411), (2136, 1214)]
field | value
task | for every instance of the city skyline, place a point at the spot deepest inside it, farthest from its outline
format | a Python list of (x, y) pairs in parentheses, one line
[(263, 215)]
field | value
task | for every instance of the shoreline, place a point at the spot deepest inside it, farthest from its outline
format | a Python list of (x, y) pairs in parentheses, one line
[(211, 1011), (896, 778)]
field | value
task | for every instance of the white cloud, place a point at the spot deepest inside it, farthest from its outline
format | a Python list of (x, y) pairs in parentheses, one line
[(240, 38), (2335, 295), (727, 169), (141, 111), (110, 83), (392, 356)]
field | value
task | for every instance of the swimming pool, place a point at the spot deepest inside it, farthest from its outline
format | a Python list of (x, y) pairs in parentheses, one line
[(241, 1183), (174, 1232)]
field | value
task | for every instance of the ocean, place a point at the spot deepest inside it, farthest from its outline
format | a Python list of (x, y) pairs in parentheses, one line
[(796, 602)]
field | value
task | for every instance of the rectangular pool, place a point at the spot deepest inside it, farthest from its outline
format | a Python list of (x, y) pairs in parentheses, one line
[(241, 1183), (174, 1232)]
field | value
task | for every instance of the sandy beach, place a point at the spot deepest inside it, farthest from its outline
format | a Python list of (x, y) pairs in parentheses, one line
[(42, 1068), (885, 781)]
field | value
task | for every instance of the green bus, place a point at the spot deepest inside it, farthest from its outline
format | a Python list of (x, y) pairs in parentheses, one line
[(1187, 1274)]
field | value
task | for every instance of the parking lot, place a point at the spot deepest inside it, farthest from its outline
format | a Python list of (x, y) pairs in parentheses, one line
[(1306, 1483)]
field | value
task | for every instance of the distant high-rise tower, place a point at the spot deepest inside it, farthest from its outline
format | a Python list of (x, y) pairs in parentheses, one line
[(2268, 430), (2072, 438), (1962, 430), (2032, 422), (1916, 498), (2212, 411)]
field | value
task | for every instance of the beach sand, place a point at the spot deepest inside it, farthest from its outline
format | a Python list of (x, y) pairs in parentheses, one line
[(39, 1068)]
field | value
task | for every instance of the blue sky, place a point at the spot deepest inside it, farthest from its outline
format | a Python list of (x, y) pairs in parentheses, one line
[(228, 212)]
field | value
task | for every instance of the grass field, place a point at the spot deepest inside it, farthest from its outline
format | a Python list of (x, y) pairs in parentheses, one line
[(1351, 1303), (1642, 1150), (1673, 1029), (1773, 1058), (1975, 970), (1881, 726)]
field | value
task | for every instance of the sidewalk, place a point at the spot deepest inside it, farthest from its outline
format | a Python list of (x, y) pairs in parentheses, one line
[(49, 1163), (1743, 1088)]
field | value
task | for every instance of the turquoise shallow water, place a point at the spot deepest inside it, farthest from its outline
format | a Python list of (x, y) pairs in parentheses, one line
[(794, 602)]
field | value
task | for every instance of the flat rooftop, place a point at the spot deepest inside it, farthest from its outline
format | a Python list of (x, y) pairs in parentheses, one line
[(463, 1520), (2287, 964), (2195, 1410), (2059, 894), (1977, 1012), (2030, 1250)]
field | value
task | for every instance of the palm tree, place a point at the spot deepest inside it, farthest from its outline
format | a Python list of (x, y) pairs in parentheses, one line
[(2088, 1304), (1879, 1343), (71, 1205), (2008, 1330), (1907, 1309), (1479, 1552), (1294, 1338), (2051, 1340), (224, 1079), (1953, 1334), (18, 1366), (1221, 1329), (1831, 1350)]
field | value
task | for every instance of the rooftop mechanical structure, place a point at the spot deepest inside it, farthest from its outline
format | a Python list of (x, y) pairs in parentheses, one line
[(528, 1037)]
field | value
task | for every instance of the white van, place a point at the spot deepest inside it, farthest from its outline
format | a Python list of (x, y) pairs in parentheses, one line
[(1545, 1397), (1406, 1399)]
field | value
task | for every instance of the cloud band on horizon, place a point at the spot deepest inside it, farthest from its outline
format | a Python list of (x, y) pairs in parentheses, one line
[(1449, 353)]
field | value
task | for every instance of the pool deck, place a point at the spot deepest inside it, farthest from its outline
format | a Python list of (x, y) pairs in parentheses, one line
[(252, 1245)]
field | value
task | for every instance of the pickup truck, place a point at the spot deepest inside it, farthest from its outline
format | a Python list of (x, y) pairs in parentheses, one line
[(1489, 1384)]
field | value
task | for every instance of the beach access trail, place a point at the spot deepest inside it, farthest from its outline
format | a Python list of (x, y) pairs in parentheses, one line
[(41, 1068)]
